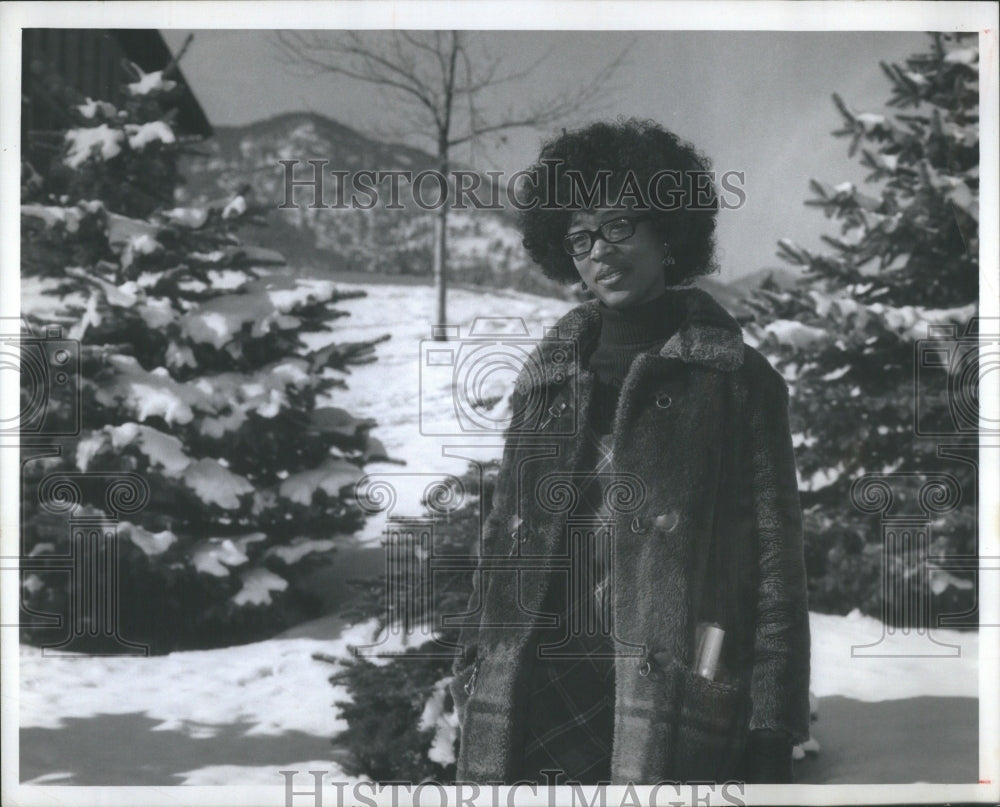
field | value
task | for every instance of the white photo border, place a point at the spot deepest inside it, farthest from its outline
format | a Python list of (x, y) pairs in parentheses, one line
[(621, 15)]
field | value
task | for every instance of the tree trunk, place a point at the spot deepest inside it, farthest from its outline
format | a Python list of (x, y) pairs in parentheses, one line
[(441, 271), (441, 220), (441, 246)]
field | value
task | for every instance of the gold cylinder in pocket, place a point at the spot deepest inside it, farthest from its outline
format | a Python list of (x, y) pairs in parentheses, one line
[(708, 649)]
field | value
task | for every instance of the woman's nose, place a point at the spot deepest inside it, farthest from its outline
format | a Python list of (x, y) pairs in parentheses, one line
[(599, 248)]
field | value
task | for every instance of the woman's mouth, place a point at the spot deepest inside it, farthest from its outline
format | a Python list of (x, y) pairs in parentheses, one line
[(610, 276)]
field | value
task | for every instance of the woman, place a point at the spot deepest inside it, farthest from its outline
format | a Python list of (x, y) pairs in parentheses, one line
[(646, 499)]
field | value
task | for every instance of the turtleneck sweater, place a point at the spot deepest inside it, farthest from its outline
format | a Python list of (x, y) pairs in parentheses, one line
[(624, 334)]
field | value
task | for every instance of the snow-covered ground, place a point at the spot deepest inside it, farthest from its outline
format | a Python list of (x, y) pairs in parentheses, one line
[(415, 387), (238, 715)]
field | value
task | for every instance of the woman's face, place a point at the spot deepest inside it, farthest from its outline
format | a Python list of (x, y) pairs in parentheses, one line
[(625, 273)]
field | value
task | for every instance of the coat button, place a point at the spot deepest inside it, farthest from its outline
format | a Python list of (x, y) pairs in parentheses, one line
[(667, 522), (663, 401)]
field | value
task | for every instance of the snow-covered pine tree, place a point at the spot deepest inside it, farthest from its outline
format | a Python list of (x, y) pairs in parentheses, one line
[(204, 368), (905, 259)]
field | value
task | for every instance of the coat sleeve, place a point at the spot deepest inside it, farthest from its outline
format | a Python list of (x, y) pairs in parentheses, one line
[(780, 678), (464, 665)]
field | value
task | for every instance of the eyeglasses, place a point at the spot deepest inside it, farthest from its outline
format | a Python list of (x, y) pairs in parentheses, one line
[(580, 242)]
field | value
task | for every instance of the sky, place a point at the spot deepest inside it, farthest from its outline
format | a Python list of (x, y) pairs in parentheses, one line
[(757, 102)]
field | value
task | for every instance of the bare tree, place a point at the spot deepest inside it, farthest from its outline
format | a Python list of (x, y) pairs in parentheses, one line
[(441, 91)]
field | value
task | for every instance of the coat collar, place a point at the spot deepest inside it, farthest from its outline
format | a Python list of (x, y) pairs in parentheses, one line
[(708, 336)]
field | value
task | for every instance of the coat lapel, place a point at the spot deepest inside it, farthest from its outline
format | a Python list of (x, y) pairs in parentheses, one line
[(708, 336)]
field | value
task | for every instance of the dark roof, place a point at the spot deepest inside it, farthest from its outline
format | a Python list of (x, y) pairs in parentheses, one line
[(59, 63), (147, 48)]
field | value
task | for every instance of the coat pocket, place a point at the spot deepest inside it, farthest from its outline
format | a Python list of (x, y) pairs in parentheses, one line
[(711, 730)]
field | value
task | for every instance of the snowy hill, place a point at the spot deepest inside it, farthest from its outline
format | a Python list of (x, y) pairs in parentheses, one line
[(783, 276), (484, 246)]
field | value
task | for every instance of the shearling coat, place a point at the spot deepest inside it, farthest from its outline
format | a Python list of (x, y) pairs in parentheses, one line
[(706, 527)]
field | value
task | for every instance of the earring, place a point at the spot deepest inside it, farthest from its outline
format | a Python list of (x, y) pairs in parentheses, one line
[(668, 259)]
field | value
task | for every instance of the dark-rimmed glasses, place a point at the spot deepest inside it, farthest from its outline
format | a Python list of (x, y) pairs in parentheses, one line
[(580, 242)]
